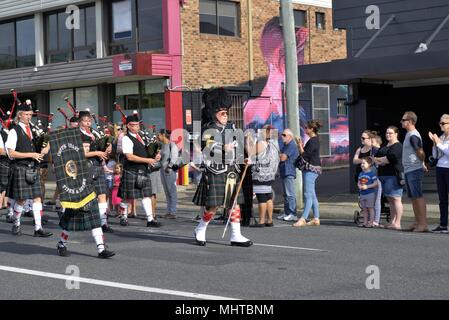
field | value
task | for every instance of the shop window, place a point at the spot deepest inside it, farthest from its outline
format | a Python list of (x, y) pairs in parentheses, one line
[(300, 18), (342, 108)]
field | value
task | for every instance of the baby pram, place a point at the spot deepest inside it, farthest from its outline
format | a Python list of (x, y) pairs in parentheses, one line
[(384, 211)]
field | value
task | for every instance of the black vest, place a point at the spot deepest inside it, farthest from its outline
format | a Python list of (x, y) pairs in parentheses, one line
[(138, 150), (24, 144), (4, 159), (92, 147)]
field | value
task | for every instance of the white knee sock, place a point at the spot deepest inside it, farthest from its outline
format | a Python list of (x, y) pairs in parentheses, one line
[(37, 214), (103, 207), (64, 238), (146, 202), (124, 210), (18, 210), (28, 206), (11, 203), (97, 233), (236, 235), (200, 230)]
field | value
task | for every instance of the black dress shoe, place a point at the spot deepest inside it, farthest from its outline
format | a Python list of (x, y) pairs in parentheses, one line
[(42, 234), (198, 242), (248, 243), (124, 222), (9, 219), (62, 250), (107, 229), (105, 254), (16, 230), (153, 224)]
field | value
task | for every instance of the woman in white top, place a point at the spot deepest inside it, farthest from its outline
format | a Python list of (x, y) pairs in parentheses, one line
[(440, 153)]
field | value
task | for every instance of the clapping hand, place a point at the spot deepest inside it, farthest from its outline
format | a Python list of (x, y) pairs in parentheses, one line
[(436, 140)]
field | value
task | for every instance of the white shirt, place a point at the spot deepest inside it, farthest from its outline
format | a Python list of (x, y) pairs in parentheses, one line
[(2, 143), (127, 144), (443, 148), (11, 143)]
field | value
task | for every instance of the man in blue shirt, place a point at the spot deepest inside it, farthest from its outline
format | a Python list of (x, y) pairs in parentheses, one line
[(289, 153)]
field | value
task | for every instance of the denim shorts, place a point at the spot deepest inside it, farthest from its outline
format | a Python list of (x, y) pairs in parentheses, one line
[(413, 182), (391, 187)]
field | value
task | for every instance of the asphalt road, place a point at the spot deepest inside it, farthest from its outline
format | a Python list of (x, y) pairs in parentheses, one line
[(328, 262)]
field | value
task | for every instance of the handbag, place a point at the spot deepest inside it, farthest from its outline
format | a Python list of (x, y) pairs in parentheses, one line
[(300, 163)]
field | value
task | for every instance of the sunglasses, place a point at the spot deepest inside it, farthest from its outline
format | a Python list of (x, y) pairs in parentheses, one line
[(223, 113), (284, 135), (365, 138), (443, 123), (403, 120)]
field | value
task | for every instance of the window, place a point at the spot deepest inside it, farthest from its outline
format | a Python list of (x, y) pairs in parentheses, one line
[(342, 108), (321, 112), (320, 20), (136, 25), (219, 17), (147, 97), (17, 44), (300, 18), (82, 98), (65, 44)]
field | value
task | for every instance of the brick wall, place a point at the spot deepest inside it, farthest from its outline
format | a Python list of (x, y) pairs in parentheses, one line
[(210, 60)]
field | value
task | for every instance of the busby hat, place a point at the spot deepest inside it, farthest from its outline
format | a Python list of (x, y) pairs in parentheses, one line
[(133, 118), (84, 113), (25, 107), (73, 119), (214, 100)]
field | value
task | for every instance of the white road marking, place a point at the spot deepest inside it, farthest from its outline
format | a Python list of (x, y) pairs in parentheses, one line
[(114, 284)]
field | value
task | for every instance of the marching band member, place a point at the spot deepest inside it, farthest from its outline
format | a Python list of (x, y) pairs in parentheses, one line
[(96, 157), (24, 180), (212, 191), (135, 183)]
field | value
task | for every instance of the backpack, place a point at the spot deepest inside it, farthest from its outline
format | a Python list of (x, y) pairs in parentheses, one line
[(266, 164)]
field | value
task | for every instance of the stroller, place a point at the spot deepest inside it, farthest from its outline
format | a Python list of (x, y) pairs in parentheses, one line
[(384, 211)]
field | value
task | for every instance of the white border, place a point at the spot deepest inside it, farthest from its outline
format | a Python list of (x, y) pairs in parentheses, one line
[(328, 112), (317, 3)]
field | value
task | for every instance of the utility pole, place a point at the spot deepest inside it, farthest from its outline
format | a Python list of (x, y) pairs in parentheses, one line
[(291, 71)]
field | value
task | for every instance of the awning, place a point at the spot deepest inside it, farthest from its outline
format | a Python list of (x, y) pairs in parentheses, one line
[(414, 66)]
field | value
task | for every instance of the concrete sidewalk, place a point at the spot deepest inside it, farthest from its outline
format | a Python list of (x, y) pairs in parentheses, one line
[(332, 206)]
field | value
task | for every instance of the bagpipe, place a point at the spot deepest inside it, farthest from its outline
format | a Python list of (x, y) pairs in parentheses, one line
[(104, 134), (40, 132)]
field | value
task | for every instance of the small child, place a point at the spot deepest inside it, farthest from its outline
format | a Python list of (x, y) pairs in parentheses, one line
[(116, 200), (367, 184)]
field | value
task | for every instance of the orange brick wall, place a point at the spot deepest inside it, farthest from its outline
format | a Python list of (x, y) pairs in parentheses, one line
[(210, 60)]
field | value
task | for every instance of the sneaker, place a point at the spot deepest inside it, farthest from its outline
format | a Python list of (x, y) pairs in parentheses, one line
[(62, 250), (107, 229), (440, 229), (153, 224), (16, 230), (291, 217), (281, 217), (124, 222), (170, 216)]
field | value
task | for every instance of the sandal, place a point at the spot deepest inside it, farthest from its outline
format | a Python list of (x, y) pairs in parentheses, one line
[(269, 224)]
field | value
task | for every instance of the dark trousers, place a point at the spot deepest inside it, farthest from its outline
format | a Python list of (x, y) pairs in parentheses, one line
[(442, 175)]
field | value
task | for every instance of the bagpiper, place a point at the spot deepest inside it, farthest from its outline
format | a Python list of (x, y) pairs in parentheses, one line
[(4, 169), (213, 191), (135, 183), (96, 157), (24, 182)]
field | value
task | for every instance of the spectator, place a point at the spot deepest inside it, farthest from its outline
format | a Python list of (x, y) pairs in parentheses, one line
[(311, 154), (367, 185), (390, 169), (265, 158), (413, 161), (289, 153), (156, 184), (169, 157), (376, 143), (366, 150), (116, 200), (440, 153)]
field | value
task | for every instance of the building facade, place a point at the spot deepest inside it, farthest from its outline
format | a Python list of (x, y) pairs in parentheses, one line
[(157, 55)]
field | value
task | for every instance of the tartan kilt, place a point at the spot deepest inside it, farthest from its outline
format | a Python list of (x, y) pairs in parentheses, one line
[(4, 176), (211, 191), (128, 189), (19, 189), (100, 181), (84, 219)]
